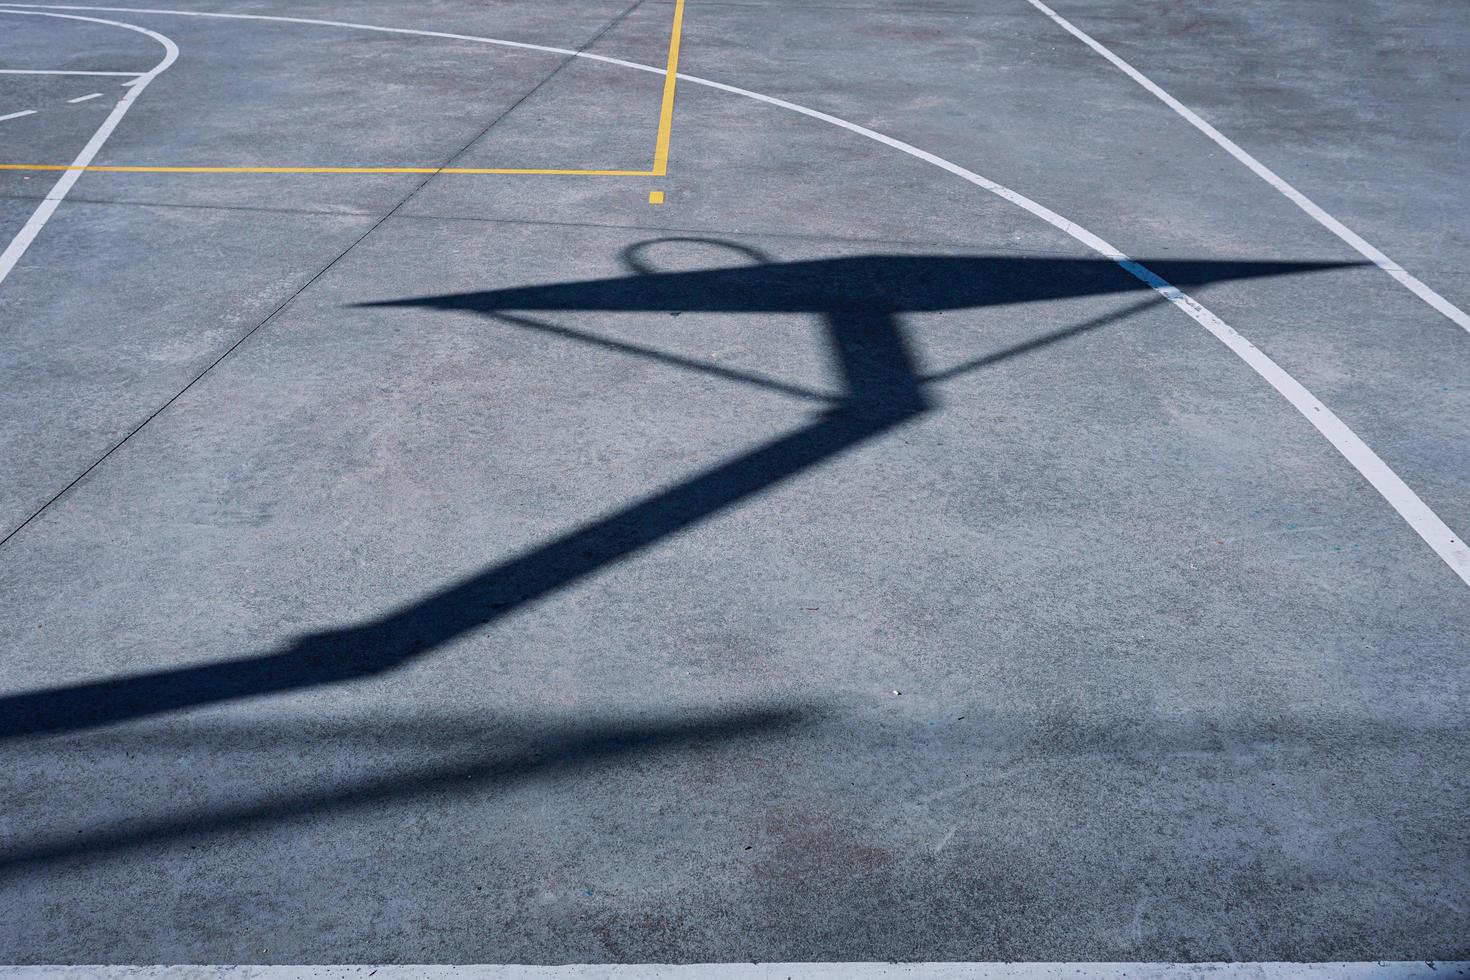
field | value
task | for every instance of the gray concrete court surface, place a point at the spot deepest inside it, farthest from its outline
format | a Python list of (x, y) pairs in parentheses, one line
[(835, 562)]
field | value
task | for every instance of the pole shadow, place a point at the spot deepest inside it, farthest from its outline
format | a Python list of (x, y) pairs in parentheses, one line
[(860, 300)]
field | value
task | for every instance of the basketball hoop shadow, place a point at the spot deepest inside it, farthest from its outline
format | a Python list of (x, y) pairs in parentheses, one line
[(860, 300)]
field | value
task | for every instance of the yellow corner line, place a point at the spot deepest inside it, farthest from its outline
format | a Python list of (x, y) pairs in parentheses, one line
[(660, 150), (666, 109), (328, 170)]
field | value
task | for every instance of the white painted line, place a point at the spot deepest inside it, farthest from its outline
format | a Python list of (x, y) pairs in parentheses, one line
[(1352, 238), (1449, 546), (84, 98), (1413, 970), (17, 115), (1444, 542), (63, 185), (52, 71), (499, 42)]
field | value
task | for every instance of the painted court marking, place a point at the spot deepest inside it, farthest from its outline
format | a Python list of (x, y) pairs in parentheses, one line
[(1409, 506), (32, 112), (662, 138), (666, 105), (63, 185), (110, 169), (83, 98), (1342, 231)]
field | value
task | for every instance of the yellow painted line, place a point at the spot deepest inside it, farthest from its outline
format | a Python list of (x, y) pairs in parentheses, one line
[(655, 197), (660, 150), (329, 170), (666, 110)]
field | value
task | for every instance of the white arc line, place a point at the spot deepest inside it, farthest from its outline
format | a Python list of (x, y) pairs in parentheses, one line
[(84, 98), (1445, 543), (1399, 495), (63, 185), (17, 115), (1342, 231)]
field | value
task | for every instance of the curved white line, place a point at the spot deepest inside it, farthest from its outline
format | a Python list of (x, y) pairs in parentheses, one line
[(63, 185), (1399, 495), (1352, 238)]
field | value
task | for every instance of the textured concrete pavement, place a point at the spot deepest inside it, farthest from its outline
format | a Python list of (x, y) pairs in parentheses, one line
[(833, 563)]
